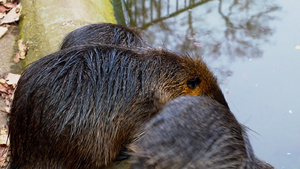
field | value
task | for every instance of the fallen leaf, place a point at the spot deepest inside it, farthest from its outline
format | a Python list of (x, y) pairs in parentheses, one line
[(7, 87), (3, 31), (4, 157), (2, 81), (10, 5), (22, 49), (12, 79), (3, 9), (7, 110), (4, 146), (4, 111), (3, 88), (2, 15), (12, 16), (4, 135)]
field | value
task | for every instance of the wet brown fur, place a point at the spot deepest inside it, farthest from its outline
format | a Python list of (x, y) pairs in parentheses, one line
[(78, 107)]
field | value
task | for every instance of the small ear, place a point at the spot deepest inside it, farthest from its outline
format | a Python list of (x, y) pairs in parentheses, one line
[(193, 83)]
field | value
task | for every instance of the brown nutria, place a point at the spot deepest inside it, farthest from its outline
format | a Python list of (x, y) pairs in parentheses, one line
[(105, 33), (194, 132), (78, 107)]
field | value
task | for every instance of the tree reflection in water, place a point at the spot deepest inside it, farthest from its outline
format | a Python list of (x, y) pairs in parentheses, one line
[(219, 31)]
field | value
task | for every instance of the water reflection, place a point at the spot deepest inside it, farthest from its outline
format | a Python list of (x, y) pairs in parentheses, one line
[(238, 38), (244, 26), (215, 30)]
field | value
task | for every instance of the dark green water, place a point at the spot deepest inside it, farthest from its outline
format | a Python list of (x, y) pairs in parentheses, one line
[(253, 47)]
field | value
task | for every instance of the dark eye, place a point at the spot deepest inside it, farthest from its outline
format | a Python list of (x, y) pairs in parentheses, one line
[(193, 83)]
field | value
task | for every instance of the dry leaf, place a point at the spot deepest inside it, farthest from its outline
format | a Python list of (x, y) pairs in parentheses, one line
[(10, 5), (12, 79), (7, 110), (4, 155), (8, 86), (12, 16), (4, 135), (2, 81), (2, 15), (3, 9), (22, 49), (4, 146), (3, 88), (3, 31)]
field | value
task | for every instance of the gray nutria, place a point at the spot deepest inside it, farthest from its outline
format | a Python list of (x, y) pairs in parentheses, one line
[(194, 132)]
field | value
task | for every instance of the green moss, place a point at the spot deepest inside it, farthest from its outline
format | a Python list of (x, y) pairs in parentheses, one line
[(44, 23)]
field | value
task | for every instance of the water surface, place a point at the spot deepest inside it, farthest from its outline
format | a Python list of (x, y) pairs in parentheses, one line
[(253, 47)]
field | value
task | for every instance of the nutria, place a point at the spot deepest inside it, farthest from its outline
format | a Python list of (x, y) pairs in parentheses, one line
[(193, 132), (76, 108)]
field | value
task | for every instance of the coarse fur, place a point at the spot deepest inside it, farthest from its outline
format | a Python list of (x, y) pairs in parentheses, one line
[(78, 107), (194, 132), (105, 33)]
